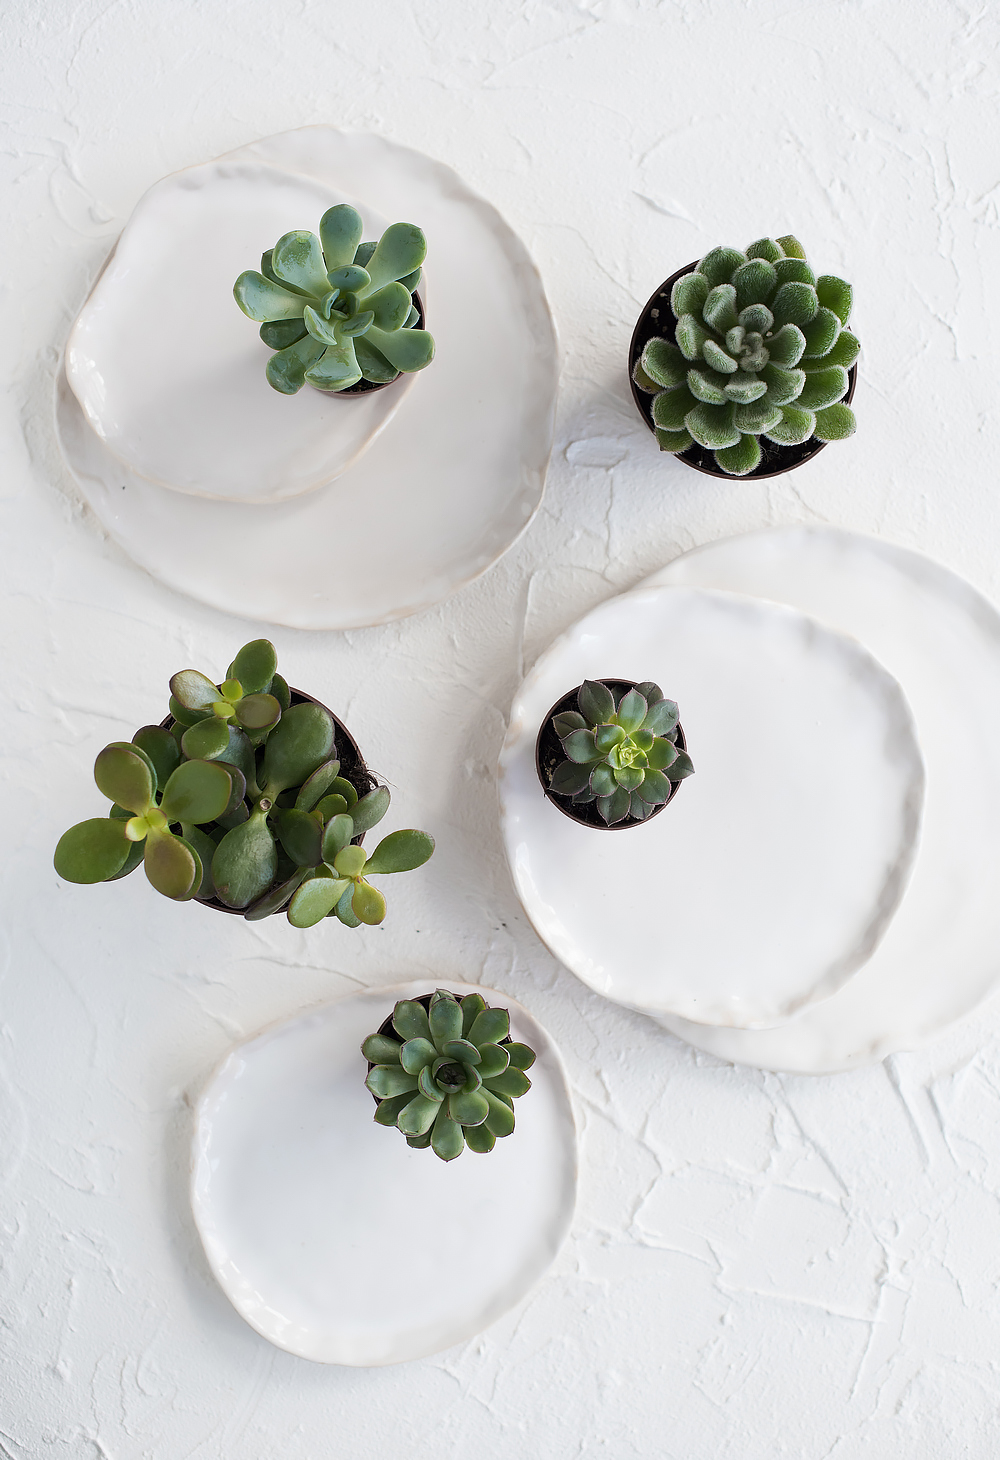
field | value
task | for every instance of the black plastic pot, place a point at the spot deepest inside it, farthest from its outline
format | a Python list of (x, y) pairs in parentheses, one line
[(365, 387), (386, 1027), (549, 753), (658, 319), (352, 768)]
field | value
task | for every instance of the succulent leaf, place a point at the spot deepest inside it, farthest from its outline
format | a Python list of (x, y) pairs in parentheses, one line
[(315, 787), (301, 836), (286, 370), (500, 1119), (823, 387), (845, 351), (301, 741), (93, 851), (161, 749), (793, 271), (787, 345), (447, 1140), (340, 231), (720, 264), (489, 1027), (245, 862), (388, 1080), (297, 259), (821, 334), (370, 809), (263, 301), (757, 417), (408, 350), (712, 427), (418, 1116), (468, 1107), (480, 1138), (783, 385), (690, 335), (415, 1054), (791, 246), (198, 791), (401, 249), (835, 294), (202, 844), (368, 904), (835, 423), (387, 1111), (744, 388), (512, 1082), (673, 441), (796, 425), (689, 294), (409, 1019), (671, 407), (794, 303), (276, 897), (400, 851), (719, 309), (765, 248), (740, 459), (372, 363), (123, 774), (664, 363), (172, 865), (755, 282)]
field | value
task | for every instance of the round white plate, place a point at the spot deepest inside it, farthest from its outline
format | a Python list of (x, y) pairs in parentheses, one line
[(439, 496), (941, 640), (334, 1239), (776, 869), (170, 372)]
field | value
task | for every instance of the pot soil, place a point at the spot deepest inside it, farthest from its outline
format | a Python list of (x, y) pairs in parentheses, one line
[(365, 387), (386, 1028), (658, 319), (549, 754)]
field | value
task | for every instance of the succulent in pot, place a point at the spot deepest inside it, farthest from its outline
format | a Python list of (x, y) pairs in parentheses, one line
[(250, 797), (340, 314), (445, 1072), (612, 753), (748, 360)]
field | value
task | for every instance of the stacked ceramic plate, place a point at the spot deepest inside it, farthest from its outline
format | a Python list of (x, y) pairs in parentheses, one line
[(822, 892), (360, 507)]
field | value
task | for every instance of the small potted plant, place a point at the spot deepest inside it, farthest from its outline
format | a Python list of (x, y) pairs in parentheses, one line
[(341, 315), (742, 365), (250, 797), (612, 753), (445, 1072)]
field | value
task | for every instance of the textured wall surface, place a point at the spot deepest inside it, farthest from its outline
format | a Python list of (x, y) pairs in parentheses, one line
[(760, 1266)]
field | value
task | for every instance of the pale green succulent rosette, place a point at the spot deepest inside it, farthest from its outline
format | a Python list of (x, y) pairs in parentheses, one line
[(760, 348), (335, 310)]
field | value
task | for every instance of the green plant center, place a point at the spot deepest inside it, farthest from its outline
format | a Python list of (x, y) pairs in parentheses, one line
[(450, 1077), (628, 753)]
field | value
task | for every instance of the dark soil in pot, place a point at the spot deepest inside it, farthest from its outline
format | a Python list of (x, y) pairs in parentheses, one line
[(656, 319), (549, 753), (365, 387), (387, 1029)]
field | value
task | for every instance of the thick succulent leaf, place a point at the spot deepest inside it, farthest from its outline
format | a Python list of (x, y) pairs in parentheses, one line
[(278, 334), (468, 1107), (342, 787), (373, 364), (239, 754), (671, 406), (845, 351), (689, 294), (301, 741), (276, 897), (351, 278), (172, 865), (823, 387), (719, 309), (794, 271), (400, 851), (744, 388), (835, 423), (596, 702), (370, 809), (522, 1056), (787, 345), (382, 1049), (137, 851), (821, 334), (691, 335), (489, 1027), (735, 339), (663, 363), (281, 692), (340, 230), (720, 264), (602, 780), (415, 1054), (755, 282), (302, 838), (568, 778), (409, 1019), (207, 740), (783, 385), (267, 269), (662, 754), (286, 370), (673, 441), (387, 1111), (643, 381), (708, 386), (245, 862), (401, 249), (204, 846), (368, 904), (682, 767), (628, 777), (297, 259), (418, 1116), (755, 319), (93, 851), (512, 1082), (580, 746), (791, 246), (255, 666), (183, 715), (712, 426), (263, 301), (258, 712), (614, 808), (123, 774), (717, 358), (638, 809), (390, 305), (350, 861), (759, 416), (494, 1058), (358, 324), (447, 1140), (322, 329), (567, 721), (344, 911), (419, 1143), (389, 1080), (651, 693), (740, 459), (661, 717), (795, 304), (480, 1138), (314, 899), (765, 248), (407, 350), (835, 294), (472, 1007), (632, 711), (198, 790), (461, 1049), (446, 1021), (795, 427), (606, 737), (315, 787), (160, 747), (501, 1117), (336, 369), (338, 834)]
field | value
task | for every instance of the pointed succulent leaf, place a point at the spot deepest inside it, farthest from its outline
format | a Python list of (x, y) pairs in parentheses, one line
[(286, 369), (632, 711), (661, 717), (614, 808), (373, 364), (596, 702), (245, 862), (315, 787), (472, 1007), (673, 441), (740, 459), (682, 767), (606, 737), (400, 851), (787, 345), (387, 1111), (567, 721), (795, 304), (93, 851), (718, 359), (512, 1082), (489, 1027), (401, 249), (765, 248), (494, 1059), (468, 1107), (602, 780), (501, 1117), (368, 904), (662, 754), (407, 350), (720, 264), (835, 423), (297, 259), (835, 294), (206, 740), (759, 416), (655, 786), (663, 362), (690, 335), (568, 778), (795, 427), (445, 1019), (447, 1140), (276, 897), (416, 1053), (629, 777), (783, 385), (719, 310), (823, 387), (172, 866), (708, 386), (580, 746), (845, 351), (522, 1056), (370, 809), (162, 750), (712, 426), (755, 282), (418, 1116), (791, 246), (300, 742), (263, 301), (479, 1138), (340, 230), (385, 1081), (123, 774), (689, 294), (198, 791), (744, 388), (821, 334), (301, 836), (409, 1019)]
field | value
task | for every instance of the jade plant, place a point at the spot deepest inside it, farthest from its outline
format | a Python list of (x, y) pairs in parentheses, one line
[(759, 349), (449, 1074), (335, 310), (240, 799), (621, 753)]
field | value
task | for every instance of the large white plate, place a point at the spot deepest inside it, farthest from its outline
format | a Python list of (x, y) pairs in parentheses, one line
[(941, 639), (443, 491), (776, 869), (334, 1239)]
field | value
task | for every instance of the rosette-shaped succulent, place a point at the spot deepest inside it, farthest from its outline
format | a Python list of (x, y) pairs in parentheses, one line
[(451, 1077), (336, 310), (759, 349), (623, 754)]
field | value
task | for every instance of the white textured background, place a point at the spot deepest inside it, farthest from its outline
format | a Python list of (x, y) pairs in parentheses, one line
[(761, 1266)]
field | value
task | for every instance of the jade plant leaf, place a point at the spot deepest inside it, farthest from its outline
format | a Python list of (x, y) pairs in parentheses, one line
[(201, 843), (300, 742), (336, 836), (255, 666), (315, 899), (368, 904), (400, 851), (302, 838), (198, 790), (206, 740), (162, 750), (258, 712), (245, 862), (172, 866), (123, 774), (315, 787), (93, 851), (369, 810), (192, 690)]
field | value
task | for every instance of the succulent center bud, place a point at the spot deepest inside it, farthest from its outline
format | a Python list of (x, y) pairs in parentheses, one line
[(627, 753), (450, 1077), (754, 354)]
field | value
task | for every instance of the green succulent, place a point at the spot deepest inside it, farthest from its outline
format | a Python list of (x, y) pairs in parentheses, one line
[(241, 799), (451, 1077), (759, 349), (621, 753), (336, 310)]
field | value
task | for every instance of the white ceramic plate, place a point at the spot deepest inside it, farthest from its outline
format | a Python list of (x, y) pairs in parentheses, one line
[(941, 639), (776, 869), (439, 496), (170, 372), (334, 1239)]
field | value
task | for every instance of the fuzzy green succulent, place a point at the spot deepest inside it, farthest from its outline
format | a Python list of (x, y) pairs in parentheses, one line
[(620, 753), (241, 799), (451, 1077), (335, 310), (760, 349)]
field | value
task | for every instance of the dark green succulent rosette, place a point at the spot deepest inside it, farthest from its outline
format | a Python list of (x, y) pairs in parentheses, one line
[(337, 311), (449, 1074), (760, 350)]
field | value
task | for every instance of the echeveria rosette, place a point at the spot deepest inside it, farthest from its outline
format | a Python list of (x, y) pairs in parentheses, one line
[(620, 753), (451, 1078), (760, 348), (336, 310)]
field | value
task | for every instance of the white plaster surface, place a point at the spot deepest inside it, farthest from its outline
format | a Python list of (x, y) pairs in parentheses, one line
[(761, 1266)]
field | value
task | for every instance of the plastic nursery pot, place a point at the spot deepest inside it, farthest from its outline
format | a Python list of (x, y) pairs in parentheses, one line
[(352, 768), (549, 753), (657, 318), (365, 387), (386, 1028)]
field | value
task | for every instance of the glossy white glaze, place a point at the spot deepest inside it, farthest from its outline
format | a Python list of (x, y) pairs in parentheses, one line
[(334, 1239), (941, 639), (776, 869)]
